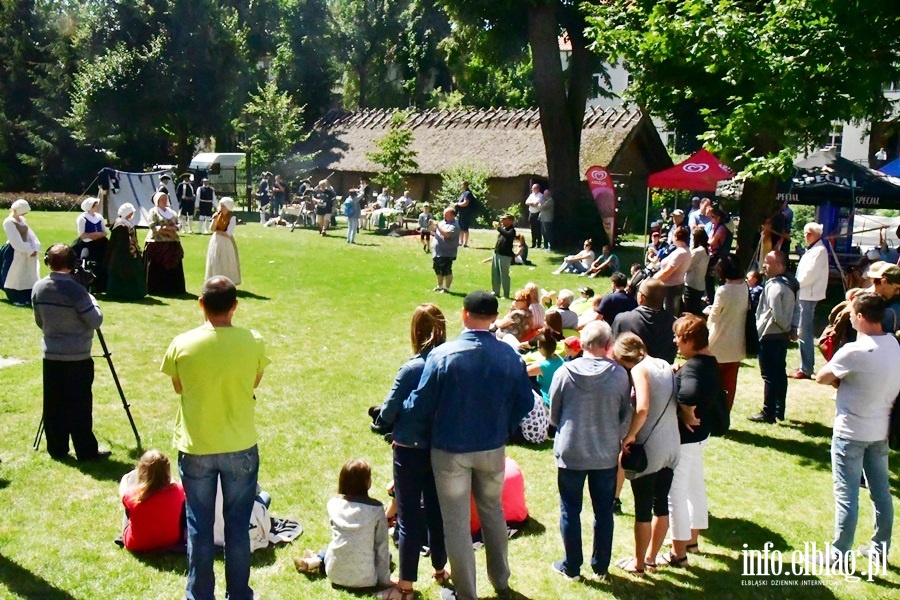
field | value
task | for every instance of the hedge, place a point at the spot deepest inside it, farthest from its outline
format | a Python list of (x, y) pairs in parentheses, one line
[(51, 201)]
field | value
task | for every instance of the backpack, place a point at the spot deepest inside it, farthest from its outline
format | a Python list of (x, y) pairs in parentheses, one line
[(349, 209), (894, 426), (837, 332)]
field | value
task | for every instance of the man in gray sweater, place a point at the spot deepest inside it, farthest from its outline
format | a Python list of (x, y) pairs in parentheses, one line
[(590, 405), (67, 315), (777, 318)]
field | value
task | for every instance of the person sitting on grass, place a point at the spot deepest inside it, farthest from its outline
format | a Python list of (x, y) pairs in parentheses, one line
[(544, 369), (563, 302), (577, 263), (607, 264), (357, 556), (516, 326), (520, 248), (154, 506), (538, 313)]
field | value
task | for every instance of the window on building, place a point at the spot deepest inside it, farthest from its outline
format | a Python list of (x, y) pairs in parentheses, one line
[(835, 138), (893, 86)]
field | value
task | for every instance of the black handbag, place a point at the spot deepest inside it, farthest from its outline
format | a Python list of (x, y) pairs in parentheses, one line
[(634, 458)]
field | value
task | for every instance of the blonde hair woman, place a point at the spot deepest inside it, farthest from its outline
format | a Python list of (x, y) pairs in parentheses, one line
[(154, 505)]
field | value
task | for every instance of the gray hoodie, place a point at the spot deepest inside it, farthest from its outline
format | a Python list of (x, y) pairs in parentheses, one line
[(590, 405)]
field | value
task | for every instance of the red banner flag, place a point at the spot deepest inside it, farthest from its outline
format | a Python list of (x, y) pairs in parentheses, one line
[(601, 184)]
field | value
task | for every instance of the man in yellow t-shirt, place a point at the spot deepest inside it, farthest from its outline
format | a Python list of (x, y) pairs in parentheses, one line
[(215, 368)]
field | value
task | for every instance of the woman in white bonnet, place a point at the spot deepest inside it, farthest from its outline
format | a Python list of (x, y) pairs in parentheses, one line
[(19, 260), (222, 254), (125, 274), (92, 241), (162, 250)]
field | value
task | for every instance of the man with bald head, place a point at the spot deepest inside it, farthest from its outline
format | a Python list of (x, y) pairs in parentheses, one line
[(777, 318), (649, 321)]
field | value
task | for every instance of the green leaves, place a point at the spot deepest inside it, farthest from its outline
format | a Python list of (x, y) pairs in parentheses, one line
[(271, 125), (394, 154)]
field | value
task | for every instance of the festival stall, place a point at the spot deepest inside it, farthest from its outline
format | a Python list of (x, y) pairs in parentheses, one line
[(700, 173)]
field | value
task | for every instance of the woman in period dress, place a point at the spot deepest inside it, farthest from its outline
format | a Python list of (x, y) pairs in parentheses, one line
[(222, 253), (162, 250), (125, 274), (19, 257), (92, 241)]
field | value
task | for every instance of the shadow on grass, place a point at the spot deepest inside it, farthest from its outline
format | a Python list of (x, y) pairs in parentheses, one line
[(251, 295), (532, 528), (176, 562), (813, 430), (146, 301), (102, 470), (817, 454), (24, 583), (4, 483)]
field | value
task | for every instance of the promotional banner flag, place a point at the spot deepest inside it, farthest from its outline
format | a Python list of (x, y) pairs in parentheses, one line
[(601, 184)]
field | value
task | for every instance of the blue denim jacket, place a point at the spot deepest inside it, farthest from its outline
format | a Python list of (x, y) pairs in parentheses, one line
[(473, 393), (405, 432)]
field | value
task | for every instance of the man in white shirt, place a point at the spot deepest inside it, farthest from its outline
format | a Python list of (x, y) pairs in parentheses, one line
[(533, 202), (812, 275), (868, 382)]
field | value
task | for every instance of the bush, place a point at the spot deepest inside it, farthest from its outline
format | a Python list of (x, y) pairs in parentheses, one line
[(451, 189), (49, 201)]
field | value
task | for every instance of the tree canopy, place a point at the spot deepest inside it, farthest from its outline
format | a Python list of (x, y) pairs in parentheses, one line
[(765, 79)]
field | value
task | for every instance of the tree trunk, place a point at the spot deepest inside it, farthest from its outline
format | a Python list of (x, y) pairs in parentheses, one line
[(757, 203), (560, 137)]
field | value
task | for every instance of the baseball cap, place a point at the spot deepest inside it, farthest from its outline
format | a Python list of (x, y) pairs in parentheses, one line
[(678, 212), (586, 291), (573, 342), (481, 303)]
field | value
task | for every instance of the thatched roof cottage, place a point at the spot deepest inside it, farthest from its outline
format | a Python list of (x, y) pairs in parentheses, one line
[(507, 143)]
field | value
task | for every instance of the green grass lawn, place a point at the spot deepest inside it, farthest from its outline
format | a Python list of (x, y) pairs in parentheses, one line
[(336, 322)]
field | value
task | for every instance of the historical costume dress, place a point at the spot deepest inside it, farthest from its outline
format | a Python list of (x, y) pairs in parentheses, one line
[(126, 277), (93, 251), (222, 253), (163, 252), (19, 257)]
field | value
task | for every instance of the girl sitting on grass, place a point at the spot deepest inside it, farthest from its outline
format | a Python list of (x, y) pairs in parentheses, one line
[(154, 505), (357, 556)]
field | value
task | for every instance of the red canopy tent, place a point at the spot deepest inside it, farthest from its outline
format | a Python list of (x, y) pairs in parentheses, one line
[(701, 172)]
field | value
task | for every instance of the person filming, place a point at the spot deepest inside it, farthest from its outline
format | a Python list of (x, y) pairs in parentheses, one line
[(67, 315)]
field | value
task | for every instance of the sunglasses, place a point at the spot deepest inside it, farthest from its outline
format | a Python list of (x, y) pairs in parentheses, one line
[(876, 280)]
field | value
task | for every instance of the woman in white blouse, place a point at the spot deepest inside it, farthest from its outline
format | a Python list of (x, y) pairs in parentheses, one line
[(92, 241), (727, 317), (19, 261), (222, 254)]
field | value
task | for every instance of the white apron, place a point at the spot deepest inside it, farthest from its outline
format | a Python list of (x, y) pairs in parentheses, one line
[(24, 271)]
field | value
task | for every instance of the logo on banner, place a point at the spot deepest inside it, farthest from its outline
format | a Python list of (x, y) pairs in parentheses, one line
[(695, 167), (598, 175)]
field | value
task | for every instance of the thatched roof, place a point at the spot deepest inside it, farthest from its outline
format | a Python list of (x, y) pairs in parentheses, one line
[(508, 143)]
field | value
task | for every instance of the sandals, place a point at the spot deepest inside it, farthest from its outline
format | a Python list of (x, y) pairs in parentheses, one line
[(441, 577), (670, 559), (628, 565), (650, 565)]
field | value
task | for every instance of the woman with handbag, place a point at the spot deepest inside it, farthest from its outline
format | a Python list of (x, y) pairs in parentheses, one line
[(699, 386), (649, 449)]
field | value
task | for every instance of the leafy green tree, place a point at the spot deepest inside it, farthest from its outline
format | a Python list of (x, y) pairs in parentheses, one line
[(367, 34), (271, 125), (561, 94), (165, 79), (394, 154), (767, 79)]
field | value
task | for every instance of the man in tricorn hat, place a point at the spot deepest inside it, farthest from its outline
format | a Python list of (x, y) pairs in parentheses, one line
[(185, 194)]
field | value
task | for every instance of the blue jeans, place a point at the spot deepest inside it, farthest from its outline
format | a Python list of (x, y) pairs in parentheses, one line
[(352, 228), (807, 337), (602, 488), (848, 460), (574, 267), (772, 363), (413, 488), (199, 476)]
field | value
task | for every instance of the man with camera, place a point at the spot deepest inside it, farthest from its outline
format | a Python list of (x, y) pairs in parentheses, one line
[(67, 315)]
